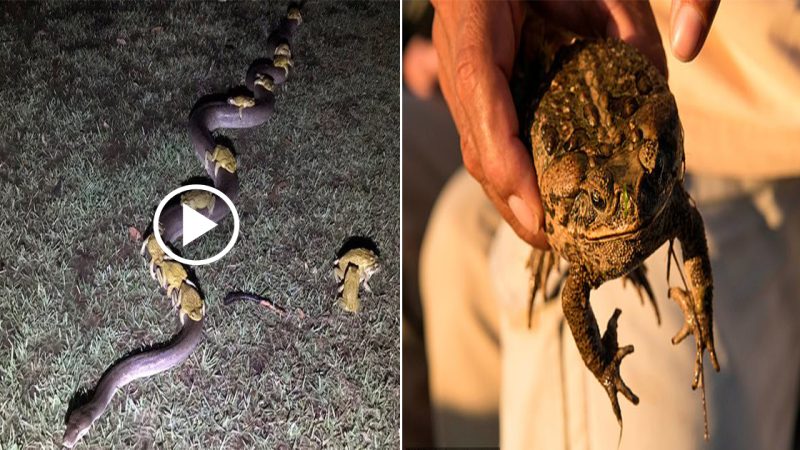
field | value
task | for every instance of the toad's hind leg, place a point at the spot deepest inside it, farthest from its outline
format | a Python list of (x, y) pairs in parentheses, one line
[(602, 355), (349, 300), (696, 302)]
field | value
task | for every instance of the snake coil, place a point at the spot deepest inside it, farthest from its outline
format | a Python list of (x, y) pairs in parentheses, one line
[(238, 111)]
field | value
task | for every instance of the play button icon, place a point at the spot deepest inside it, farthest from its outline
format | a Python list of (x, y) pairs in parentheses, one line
[(195, 224)]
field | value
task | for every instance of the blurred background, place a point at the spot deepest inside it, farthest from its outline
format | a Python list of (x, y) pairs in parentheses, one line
[(427, 124)]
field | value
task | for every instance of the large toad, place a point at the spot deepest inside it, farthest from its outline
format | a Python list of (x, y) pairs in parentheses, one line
[(608, 150)]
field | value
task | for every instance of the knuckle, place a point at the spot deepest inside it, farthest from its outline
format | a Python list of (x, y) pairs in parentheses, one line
[(472, 163), (467, 67)]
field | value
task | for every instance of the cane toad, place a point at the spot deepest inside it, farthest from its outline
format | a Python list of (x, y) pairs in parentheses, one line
[(190, 302), (352, 270), (153, 252), (607, 145), (283, 62), (242, 102), (198, 200), (220, 157)]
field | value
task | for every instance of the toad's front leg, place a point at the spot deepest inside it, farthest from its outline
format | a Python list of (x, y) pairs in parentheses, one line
[(697, 304), (601, 355)]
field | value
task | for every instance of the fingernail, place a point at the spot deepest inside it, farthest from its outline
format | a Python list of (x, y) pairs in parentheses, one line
[(524, 214), (686, 32)]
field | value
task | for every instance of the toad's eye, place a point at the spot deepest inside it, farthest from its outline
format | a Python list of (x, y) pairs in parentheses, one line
[(598, 202)]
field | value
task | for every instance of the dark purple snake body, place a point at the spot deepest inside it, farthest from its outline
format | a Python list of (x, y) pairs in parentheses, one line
[(205, 118)]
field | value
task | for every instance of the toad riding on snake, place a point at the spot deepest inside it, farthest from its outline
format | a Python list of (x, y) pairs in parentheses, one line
[(207, 116)]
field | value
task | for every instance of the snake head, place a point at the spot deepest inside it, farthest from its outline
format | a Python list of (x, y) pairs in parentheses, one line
[(78, 425)]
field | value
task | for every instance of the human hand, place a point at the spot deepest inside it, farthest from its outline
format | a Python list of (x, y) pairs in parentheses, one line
[(477, 44)]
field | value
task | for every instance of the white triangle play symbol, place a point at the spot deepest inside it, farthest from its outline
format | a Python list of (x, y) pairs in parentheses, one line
[(195, 224)]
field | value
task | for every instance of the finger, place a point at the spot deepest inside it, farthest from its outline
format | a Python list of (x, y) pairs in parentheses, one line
[(691, 21), (537, 239), (469, 154), (441, 41), (471, 159), (459, 85), (509, 177), (473, 164), (508, 171), (634, 23)]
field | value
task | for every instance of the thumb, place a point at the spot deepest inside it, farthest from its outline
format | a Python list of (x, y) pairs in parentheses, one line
[(690, 23)]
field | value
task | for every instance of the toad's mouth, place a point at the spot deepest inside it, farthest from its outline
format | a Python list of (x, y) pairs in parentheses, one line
[(614, 235)]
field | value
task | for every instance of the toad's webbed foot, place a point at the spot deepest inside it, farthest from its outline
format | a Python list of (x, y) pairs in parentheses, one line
[(699, 325), (638, 277), (612, 357)]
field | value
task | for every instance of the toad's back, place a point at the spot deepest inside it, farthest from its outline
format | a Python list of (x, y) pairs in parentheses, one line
[(607, 146)]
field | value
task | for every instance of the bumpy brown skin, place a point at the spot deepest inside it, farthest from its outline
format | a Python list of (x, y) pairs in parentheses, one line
[(608, 149)]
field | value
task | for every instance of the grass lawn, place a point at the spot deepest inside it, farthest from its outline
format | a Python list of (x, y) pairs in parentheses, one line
[(93, 135)]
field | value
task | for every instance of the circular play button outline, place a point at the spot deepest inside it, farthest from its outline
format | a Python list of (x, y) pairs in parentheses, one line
[(194, 187)]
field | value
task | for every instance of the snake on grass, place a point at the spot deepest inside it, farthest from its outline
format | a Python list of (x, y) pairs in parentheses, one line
[(240, 111)]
